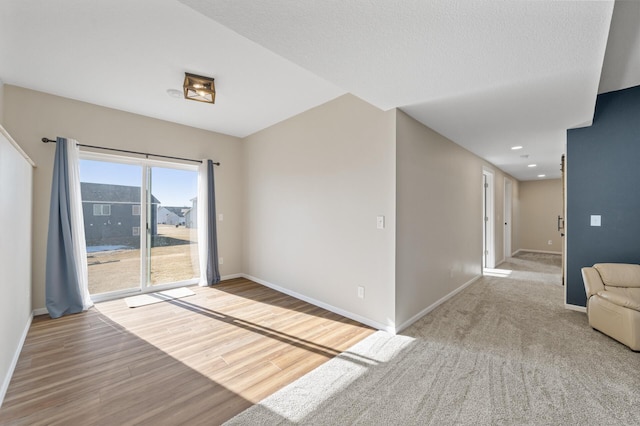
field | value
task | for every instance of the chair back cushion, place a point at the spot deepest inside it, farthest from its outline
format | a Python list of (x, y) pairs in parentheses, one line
[(619, 274)]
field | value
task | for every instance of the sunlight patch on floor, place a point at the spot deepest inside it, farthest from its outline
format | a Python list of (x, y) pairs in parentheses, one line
[(336, 376), (500, 273)]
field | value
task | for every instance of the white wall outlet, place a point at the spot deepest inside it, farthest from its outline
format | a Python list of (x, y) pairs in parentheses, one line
[(361, 292), (596, 220), (380, 222), (220, 260), (550, 242), (220, 217)]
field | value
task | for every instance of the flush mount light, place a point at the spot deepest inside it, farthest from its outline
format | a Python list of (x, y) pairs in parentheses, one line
[(198, 88), (541, 175), (532, 165), (515, 148)]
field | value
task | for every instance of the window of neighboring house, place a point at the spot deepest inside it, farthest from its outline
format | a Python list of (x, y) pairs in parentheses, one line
[(136, 230), (135, 210), (102, 209)]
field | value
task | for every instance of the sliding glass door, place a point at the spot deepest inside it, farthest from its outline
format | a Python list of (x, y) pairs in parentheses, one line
[(173, 243), (111, 208), (140, 223)]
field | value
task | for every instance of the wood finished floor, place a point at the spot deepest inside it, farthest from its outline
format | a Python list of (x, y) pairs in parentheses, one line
[(197, 360)]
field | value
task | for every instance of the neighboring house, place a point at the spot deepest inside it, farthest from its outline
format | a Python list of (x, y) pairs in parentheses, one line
[(191, 215), (171, 215), (112, 214)]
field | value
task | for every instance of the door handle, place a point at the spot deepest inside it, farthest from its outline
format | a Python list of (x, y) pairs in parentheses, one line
[(560, 223)]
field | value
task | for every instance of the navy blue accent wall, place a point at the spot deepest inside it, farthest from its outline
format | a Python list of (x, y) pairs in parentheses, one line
[(603, 178)]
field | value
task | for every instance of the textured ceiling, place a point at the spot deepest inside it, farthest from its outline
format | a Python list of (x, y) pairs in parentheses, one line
[(126, 54), (487, 74), (622, 60)]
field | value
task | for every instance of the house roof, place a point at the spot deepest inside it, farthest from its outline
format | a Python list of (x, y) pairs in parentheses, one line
[(106, 193), (487, 74), (178, 211)]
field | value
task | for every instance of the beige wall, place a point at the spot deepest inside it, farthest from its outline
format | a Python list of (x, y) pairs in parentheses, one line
[(439, 217), (300, 199), (31, 115), (314, 187), (540, 205), (1, 103)]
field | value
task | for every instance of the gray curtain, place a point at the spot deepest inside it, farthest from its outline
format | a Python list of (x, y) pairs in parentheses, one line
[(62, 284), (213, 269)]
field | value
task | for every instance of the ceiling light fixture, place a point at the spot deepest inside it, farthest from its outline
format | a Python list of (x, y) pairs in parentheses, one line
[(515, 148), (541, 176), (198, 88), (532, 165)]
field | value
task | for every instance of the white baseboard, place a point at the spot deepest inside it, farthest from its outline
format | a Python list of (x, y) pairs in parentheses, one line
[(575, 308), (536, 251), (40, 311), (439, 302), (14, 361), (232, 276), (339, 311)]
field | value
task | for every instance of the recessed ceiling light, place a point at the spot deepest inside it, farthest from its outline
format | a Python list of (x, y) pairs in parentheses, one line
[(541, 175), (532, 165), (174, 93), (515, 148)]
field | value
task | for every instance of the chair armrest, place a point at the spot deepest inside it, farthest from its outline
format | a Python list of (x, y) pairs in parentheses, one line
[(620, 300), (592, 281)]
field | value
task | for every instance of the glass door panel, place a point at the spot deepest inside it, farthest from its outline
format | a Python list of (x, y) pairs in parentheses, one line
[(111, 195), (172, 230)]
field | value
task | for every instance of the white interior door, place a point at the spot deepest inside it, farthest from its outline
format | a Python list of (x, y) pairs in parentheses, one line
[(507, 217), (488, 249)]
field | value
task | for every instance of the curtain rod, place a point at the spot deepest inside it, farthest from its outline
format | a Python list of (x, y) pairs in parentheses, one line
[(47, 140)]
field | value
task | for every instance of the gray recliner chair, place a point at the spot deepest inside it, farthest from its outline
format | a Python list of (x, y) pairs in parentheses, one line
[(613, 301)]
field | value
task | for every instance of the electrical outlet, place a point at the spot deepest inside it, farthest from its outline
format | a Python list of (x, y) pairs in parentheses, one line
[(549, 242), (361, 292), (220, 260), (220, 217), (380, 222)]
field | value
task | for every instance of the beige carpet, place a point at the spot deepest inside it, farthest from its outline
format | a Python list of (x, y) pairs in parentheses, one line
[(504, 351)]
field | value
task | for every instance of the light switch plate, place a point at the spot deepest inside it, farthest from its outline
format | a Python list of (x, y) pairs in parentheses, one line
[(596, 220), (380, 222)]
